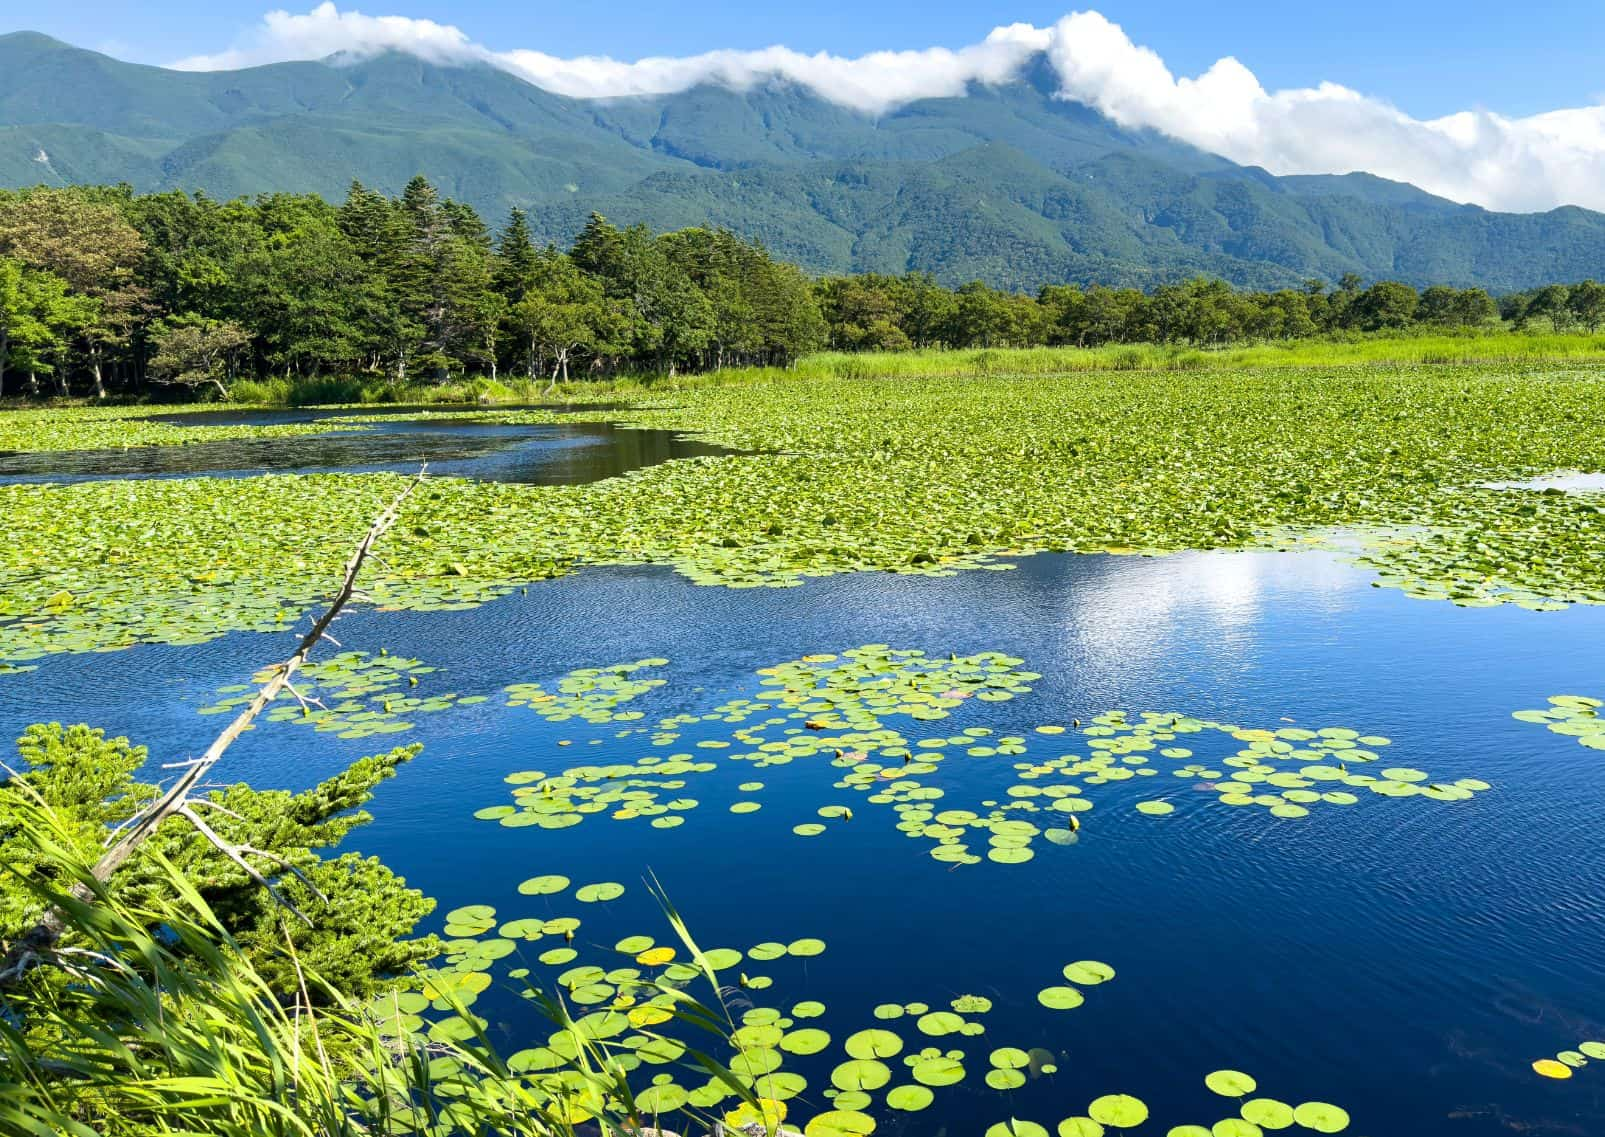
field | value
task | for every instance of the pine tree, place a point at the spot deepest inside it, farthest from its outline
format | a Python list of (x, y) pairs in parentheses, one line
[(358, 938), (515, 257)]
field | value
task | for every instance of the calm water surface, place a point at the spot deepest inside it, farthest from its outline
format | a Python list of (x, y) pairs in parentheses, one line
[(1402, 958), (538, 454)]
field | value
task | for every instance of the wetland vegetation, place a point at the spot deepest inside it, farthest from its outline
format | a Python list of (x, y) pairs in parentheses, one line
[(489, 953)]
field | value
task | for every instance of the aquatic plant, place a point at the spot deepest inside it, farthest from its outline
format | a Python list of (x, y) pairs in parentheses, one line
[(921, 475), (1560, 1067), (836, 708), (1576, 716)]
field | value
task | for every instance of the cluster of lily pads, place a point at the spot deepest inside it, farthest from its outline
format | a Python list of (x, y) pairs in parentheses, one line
[(1254, 1116), (834, 708), (1561, 1065), (627, 1008), (924, 476), (592, 694), (1577, 716), (354, 694), (627, 999)]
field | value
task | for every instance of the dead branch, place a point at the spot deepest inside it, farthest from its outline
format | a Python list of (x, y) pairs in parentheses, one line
[(34, 945)]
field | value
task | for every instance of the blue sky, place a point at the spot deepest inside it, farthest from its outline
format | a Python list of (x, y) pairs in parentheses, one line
[(1430, 57)]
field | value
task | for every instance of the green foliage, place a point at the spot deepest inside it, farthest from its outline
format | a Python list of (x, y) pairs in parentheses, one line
[(165, 1023), (362, 918), (308, 302), (904, 473), (384, 298)]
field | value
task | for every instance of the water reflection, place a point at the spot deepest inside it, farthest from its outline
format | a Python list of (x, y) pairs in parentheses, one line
[(1404, 959), (1566, 481), (563, 454)]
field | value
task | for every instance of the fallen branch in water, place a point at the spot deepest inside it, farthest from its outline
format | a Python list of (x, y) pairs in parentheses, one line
[(36, 943)]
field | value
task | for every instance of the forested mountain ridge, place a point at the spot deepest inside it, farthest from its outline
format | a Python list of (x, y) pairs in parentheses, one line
[(1007, 184)]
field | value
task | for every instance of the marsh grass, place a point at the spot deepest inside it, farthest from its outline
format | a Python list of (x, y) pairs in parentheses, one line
[(1403, 351)]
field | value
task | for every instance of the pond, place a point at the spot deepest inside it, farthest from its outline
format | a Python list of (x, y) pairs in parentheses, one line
[(454, 445), (1406, 958)]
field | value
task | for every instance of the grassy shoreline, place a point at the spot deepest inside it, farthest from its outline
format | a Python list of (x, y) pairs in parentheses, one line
[(1447, 349)]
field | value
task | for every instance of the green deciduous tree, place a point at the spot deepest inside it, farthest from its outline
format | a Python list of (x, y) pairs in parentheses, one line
[(196, 352)]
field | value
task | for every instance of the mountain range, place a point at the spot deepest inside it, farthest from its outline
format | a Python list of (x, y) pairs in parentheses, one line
[(1008, 183)]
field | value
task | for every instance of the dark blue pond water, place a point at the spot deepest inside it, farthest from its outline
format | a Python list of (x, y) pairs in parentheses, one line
[(454, 446), (1405, 959)]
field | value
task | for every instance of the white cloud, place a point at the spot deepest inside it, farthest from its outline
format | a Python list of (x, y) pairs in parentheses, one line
[(1476, 155)]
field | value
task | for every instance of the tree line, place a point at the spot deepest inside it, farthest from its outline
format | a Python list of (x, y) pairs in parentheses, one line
[(103, 290)]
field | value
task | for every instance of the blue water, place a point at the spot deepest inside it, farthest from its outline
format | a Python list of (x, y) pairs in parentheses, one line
[(455, 445), (1404, 959)]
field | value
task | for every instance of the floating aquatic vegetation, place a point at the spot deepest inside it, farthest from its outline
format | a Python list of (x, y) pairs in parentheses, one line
[(837, 707), (962, 472), (1576, 716), (354, 694), (1256, 1115), (1562, 1065), (868, 1073), (589, 693), (120, 428)]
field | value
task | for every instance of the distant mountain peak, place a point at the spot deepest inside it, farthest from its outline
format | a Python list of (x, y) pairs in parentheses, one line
[(1010, 183)]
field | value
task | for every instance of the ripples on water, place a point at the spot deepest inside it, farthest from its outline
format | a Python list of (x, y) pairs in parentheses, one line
[(532, 454), (1402, 958)]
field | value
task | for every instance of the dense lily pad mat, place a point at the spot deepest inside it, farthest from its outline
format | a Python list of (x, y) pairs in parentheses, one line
[(117, 428), (906, 475)]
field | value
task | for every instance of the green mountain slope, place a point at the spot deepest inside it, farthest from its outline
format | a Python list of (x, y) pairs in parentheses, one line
[(1008, 184)]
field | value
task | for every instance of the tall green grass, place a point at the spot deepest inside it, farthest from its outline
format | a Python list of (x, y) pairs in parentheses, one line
[(1508, 347), (131, 1032), (1399, 350)]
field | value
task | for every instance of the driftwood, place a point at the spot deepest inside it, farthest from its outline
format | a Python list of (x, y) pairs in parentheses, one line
[(35, 944)]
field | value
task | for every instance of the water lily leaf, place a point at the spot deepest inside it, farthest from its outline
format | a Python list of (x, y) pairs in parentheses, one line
[(1267, 1113), (938, 1071), (1088, 972), (805, 1041), (1231, 1083), (1080, 1127), (873, 1044), (938, 1023), (1016, 1128), (543, 885), (840, 1123), (1060, 999), (1321, 1117), (860, 1074), (1119, 1111), (1550, 1068), (910, 1099)]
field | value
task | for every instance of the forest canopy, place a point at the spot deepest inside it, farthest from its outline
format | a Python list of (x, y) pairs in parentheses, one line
[(103, 290)]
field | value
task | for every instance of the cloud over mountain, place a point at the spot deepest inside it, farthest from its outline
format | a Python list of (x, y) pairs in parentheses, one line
[(1535, 162)]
